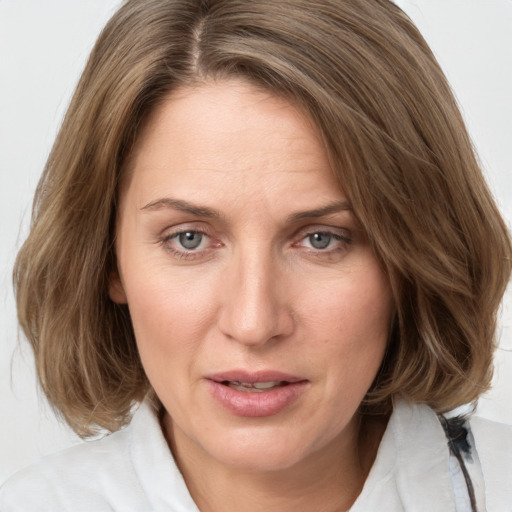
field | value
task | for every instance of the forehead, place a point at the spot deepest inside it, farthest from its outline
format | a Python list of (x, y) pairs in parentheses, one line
[(229, 134)]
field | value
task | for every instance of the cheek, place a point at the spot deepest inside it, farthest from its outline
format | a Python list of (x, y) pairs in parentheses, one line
[(355, 307), (170, 316), (352, 324)]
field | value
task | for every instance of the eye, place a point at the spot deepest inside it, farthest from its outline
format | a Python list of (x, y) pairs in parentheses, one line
[(320, 240), (189, 240), (324, 241)]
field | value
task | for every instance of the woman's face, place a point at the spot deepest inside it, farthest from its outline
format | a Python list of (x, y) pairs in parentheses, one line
[(260, 311)]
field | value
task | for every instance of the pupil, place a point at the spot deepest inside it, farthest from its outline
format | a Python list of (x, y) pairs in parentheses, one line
[(190, 239), (320, 240)]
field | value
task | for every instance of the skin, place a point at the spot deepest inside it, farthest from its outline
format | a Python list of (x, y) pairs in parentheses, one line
[(257, 293)]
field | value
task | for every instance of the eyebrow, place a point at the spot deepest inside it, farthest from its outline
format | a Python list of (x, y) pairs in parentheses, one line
[(336, 207), (182, 206), (203, 211)]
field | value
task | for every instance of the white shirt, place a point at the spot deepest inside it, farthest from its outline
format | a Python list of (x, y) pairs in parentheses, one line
[(133, 471)]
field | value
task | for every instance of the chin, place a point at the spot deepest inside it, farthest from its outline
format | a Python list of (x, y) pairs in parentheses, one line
[(252, 459), (254, 452)]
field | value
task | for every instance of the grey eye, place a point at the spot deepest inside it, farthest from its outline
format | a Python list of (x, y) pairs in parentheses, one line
[(190, 239), (320, 240)]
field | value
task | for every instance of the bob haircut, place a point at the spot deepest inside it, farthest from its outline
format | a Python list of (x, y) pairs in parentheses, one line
[(364, 75)]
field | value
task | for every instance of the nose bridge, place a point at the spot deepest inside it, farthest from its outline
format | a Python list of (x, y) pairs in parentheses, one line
[(254, 308)]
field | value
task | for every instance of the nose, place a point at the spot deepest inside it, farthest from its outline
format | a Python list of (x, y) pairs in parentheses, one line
[(255, 308)]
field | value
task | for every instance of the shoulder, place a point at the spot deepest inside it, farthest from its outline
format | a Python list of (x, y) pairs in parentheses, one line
[(131, 470), (492, 435), (425, 468), (493, 444), (90, 476)]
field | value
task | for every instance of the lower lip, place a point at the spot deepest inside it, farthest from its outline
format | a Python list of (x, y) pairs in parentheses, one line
[(254, 405)]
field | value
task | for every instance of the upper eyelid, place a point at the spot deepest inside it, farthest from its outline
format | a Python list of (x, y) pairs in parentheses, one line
[(174, 234), (322, 228), (340, 238), (187, 226)]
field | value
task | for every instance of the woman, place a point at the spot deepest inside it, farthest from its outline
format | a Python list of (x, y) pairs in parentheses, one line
[(264, 222)]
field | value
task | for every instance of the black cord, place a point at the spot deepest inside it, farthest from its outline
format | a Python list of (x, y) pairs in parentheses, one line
[(457, 436)]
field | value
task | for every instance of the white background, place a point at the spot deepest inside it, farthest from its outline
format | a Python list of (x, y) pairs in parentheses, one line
[(43, 47)]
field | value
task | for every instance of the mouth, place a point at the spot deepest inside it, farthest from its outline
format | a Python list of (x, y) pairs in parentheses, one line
[(254, 382), (256, 394), (254, 387)]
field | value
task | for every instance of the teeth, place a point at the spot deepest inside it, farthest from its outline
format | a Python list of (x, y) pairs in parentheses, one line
[(254, 387), (265, 385)]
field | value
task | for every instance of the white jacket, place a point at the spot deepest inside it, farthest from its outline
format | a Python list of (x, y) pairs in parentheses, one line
[(133, 471)]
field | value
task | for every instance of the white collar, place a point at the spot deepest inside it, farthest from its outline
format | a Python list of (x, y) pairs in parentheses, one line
[(412, 469), (154, 463)]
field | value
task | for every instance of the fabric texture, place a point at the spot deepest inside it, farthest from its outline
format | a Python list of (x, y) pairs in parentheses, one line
[(133, 471)]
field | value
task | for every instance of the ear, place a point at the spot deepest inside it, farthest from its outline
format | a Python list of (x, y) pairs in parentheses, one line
[(116, 289)]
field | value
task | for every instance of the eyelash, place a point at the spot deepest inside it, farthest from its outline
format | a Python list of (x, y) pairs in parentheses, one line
[(343, 240), (183, 254), (190, 254)]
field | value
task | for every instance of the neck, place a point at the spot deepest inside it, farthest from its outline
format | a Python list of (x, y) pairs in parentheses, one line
[(329, 480)]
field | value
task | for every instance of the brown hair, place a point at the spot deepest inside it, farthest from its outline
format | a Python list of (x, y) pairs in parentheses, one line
[(368, 80)]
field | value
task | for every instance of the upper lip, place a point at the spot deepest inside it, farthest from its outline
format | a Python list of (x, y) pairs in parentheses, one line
[(252, 377)]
